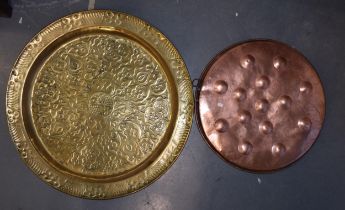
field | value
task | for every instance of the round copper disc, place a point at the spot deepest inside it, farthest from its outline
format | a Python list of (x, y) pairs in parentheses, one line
[(261, 105)]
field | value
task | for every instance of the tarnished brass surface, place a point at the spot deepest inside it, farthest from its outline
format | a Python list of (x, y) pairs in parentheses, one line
[(260, 105), (99, 104)]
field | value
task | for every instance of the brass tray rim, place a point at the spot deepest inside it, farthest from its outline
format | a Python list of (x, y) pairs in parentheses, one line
[(80, 188)]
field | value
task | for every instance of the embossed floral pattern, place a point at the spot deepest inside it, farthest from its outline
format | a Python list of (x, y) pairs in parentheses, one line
[(101, 105)]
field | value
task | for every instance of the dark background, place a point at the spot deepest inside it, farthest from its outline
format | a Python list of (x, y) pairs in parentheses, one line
[(199, 179)]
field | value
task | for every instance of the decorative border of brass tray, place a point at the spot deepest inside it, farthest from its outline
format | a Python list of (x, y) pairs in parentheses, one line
[(16, 101)]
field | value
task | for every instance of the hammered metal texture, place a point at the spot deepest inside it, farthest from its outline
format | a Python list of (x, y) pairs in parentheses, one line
[(99, 104), (261, 105)]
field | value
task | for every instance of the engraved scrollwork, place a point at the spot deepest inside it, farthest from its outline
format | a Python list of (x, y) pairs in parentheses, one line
[(68, 23), (111, 18), (106, 96), (12, 115)]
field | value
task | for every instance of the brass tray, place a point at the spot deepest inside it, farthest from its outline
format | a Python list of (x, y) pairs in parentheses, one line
[(99, 104)]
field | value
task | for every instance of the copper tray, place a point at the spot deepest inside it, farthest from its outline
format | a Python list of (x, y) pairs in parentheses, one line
[(260, 105), (99, 104)]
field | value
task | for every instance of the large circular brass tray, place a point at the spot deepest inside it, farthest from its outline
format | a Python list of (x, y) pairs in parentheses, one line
[(99, 104)]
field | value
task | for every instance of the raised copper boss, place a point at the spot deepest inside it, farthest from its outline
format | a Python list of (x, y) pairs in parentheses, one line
[(260, 105)]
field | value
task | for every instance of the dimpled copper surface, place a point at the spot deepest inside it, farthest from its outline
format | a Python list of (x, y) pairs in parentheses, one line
[(261, 105)]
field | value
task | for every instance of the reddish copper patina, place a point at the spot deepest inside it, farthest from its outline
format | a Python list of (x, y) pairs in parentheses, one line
[(260, 105)]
